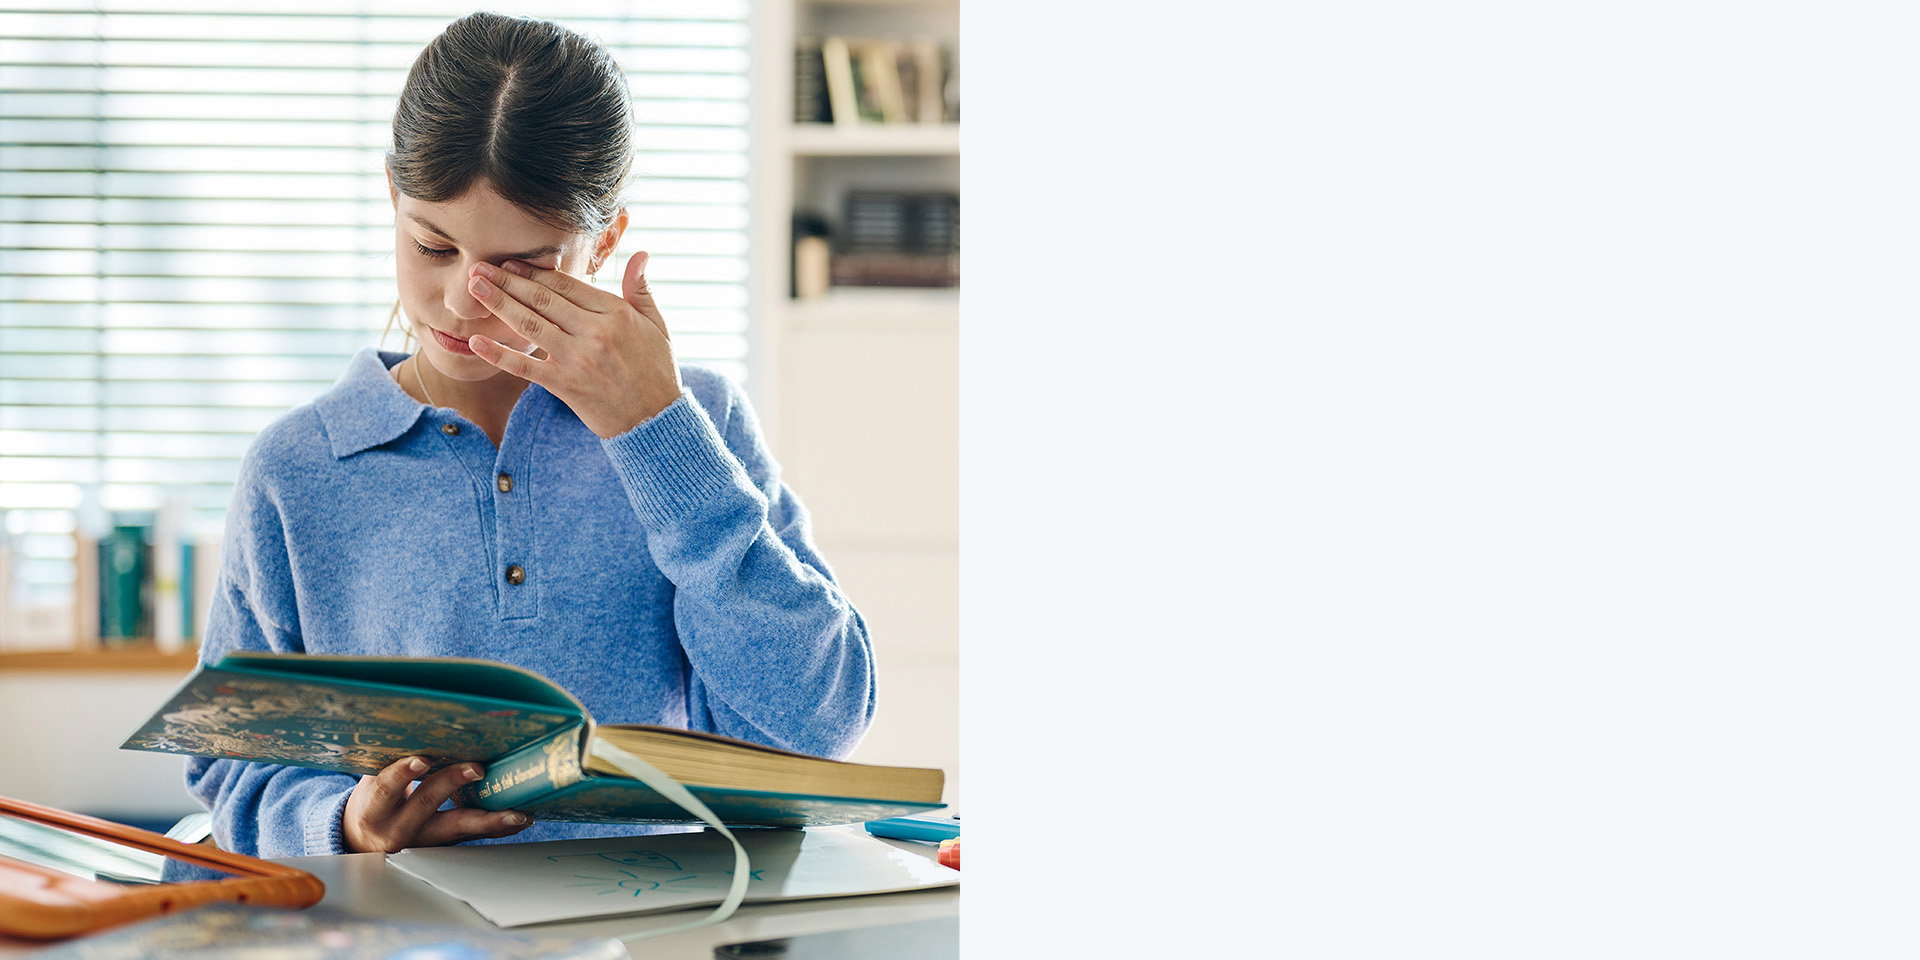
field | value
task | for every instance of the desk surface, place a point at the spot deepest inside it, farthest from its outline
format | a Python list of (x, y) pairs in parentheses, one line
[(362, 886)]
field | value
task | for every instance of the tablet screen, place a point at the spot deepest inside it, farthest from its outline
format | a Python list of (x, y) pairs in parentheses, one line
[(94, 858)]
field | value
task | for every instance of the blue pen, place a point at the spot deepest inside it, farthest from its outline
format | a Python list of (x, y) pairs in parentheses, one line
[(930, 829)]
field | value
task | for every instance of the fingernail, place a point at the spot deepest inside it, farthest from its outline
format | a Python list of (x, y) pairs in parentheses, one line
[(477, 345), (480, 287), (416, 766), (516, 268), (517, 820), (483, 269), (471, 773)]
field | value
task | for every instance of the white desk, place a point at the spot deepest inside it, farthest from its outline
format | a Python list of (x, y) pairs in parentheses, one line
[(361, 886)]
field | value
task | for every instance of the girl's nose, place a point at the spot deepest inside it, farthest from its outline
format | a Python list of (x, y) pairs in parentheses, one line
[(460, 301)]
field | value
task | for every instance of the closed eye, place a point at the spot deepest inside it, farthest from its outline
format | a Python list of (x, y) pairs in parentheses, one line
[(434, 252)]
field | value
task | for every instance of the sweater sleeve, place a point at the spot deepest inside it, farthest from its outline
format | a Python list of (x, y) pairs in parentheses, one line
[(778, 654), (262, 809)]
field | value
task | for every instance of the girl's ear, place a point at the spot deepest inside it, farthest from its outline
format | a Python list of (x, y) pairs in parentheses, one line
[(393, 192), (609, 239)]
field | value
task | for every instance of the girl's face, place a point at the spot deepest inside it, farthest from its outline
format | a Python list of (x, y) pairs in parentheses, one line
[(436, 246)]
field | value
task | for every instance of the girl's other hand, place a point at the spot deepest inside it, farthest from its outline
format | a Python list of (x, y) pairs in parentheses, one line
[(609, 358), (387, 813)]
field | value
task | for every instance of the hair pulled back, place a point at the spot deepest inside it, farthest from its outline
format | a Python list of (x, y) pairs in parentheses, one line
[(539, 112)]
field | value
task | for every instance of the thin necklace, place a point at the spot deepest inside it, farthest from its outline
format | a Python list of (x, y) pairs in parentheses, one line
[(422, 380)]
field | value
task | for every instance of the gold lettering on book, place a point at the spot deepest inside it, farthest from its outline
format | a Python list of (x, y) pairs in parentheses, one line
[(509, 781), (357, 738)]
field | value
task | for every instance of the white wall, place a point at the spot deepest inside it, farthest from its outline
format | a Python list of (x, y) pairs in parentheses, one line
[(869, 439), (60, 737)]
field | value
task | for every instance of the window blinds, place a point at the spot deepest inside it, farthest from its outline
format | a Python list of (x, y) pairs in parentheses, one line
[(195, 233)]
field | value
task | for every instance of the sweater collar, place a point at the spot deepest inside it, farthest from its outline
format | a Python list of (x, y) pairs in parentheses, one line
[(365, 407)]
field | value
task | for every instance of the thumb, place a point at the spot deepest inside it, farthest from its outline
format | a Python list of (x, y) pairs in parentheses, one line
[(634, 290)]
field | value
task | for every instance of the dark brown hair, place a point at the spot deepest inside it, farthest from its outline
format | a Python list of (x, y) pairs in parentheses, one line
[(539, 112)]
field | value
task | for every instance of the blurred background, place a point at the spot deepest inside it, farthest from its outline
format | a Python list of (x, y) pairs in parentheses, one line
[(195, 236)]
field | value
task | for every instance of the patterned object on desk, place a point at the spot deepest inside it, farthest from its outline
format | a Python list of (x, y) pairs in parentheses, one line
[(229, 931)]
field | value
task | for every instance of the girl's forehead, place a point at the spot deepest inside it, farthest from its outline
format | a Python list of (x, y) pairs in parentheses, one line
[(482, 217)]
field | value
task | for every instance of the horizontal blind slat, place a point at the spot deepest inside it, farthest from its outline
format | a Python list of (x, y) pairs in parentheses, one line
[(195, 231)]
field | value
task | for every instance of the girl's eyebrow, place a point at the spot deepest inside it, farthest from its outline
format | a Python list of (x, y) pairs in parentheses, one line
[(528, 255)]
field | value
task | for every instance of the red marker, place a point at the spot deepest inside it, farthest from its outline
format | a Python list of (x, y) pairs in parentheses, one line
[(950, 853)]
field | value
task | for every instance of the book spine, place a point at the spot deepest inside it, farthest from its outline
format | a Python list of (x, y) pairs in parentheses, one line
[(168, 635), (928, 74), (882, 269), (837, 62), (8, 629), (126, 582), (206, 576), (529, 773), (86, 590), (810, 102)]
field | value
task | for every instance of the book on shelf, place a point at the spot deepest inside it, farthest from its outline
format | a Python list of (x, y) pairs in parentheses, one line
[(810, 101), (851, 81), (837, 65), (358, 715), (141, 579), (126, 580), (898, 239)]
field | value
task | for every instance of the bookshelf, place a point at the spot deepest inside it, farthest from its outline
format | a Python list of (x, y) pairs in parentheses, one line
[(858, 388), (901, 140)]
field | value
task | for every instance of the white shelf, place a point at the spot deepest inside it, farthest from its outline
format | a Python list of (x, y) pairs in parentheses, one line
[(875, 140), (907, 4), (895, 308)]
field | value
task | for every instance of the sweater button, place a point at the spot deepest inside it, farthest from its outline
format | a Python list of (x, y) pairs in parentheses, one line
[(450, 429), (515, 575), (504, 482)]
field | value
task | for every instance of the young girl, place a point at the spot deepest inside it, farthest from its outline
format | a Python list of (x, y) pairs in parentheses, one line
[(539, 483)]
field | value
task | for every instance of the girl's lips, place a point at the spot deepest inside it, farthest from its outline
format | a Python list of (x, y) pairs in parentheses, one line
[(450, 344)]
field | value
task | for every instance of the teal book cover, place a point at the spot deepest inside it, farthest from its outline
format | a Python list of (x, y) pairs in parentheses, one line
[(358, 715)]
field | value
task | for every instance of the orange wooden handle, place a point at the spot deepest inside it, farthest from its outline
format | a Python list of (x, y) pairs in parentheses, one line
[(43, 904)]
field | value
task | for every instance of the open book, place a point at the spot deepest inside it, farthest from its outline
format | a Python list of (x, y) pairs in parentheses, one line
[(359, 714)]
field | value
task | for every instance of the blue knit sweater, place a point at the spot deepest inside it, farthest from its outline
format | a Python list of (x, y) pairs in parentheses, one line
[(669, 577)]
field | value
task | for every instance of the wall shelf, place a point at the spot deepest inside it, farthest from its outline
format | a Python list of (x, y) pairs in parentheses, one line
[(875, 140), (896, 308), (141, 658)]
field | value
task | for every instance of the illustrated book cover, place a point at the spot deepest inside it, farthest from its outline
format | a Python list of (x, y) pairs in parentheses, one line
[(357, 715), (253, 933)]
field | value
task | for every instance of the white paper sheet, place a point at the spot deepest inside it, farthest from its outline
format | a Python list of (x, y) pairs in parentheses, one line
[(513, 884)]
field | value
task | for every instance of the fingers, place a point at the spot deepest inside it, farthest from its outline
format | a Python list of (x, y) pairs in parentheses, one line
[(525, 278), (426, 799), (382, 814), (512, 361), (467, 823), (384, 793), (633, 287), (533, 310)]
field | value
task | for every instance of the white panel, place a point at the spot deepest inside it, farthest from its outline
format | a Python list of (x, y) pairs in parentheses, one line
[(916, 717), (870, 421), (83, 768), (910, 596)]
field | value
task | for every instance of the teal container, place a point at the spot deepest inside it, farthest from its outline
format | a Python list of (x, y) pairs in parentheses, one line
[(126, 581), (186, 593)]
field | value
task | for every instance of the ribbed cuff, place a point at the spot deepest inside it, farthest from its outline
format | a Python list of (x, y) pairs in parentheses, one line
[(324, 828), (675, 463)]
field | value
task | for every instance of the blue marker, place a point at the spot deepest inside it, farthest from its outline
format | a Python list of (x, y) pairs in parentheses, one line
[(930, 829)]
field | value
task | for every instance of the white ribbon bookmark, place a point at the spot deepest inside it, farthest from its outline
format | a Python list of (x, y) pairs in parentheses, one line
[(670, 788)]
